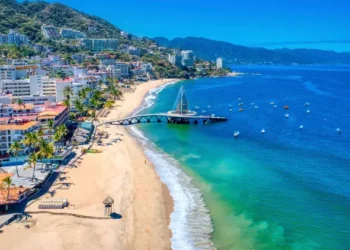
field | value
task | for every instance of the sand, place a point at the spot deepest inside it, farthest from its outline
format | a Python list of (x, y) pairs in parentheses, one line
[(121, 171)]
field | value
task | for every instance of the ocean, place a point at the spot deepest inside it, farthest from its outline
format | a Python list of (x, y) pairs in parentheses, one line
[(287, 188)]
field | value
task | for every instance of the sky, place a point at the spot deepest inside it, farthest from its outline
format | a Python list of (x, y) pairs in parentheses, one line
[(323, 24)]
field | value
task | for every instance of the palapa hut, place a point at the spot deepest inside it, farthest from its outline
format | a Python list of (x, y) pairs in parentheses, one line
[(109, 205)]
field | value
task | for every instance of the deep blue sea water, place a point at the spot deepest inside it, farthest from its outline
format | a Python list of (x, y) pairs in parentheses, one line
[(285, 189)]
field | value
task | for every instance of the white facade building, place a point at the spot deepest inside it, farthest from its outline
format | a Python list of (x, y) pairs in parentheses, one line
[(219, 63)]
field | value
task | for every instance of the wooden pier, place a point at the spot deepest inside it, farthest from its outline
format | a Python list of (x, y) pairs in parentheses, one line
[(166, 118)]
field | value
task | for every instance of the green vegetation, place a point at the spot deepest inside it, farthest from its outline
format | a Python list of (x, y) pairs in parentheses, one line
[(15, 52)]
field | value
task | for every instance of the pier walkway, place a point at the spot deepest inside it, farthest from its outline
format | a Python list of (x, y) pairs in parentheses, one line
[(166, 118)]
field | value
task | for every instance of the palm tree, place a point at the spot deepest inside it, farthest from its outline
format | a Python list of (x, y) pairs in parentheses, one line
[(66, 102), (20, 103), (6, 183), (109, 104), (67, 92), (46, 150), (14, 149), (50, 125), (40, 132), (30, 140), (79, 106), (60, 133), (32, 159)]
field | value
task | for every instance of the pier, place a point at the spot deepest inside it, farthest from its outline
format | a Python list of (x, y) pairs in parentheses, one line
[(180, 114), (166, 118)]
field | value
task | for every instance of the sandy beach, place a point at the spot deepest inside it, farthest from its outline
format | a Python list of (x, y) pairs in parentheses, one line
[(121, 171)]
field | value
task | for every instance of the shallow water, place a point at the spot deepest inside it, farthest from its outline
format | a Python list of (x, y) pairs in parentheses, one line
[(285, 189)]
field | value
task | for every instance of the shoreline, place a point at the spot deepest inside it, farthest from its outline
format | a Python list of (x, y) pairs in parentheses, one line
[(121, 171)]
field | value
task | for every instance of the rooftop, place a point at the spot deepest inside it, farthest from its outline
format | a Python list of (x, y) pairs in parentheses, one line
[(13, 195), (23, 126)]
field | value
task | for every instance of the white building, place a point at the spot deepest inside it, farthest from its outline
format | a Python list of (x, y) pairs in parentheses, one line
[(16, 87), (15, 38), (187, 58), (175, 59), (60, 85), (121, 69), (219, 63), (67, 33)]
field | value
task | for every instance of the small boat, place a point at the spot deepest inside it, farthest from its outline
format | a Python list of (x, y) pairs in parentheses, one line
[(240, 110), (203, 111), (307, 104), (196, 107), (239, 99), (236, 134), (308, 111), (301, 127), (286, 107), (263, 131), (240, 104), (209, 107), (272, 103), (230, 106), (256, 107), (286, 115), (230, 110), (252, 104), (338, 130), (275, 106)]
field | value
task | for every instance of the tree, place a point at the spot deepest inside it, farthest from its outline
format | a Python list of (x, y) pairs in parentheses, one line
[(21, 103), (50, 125), (6, 183), (46, 150), (32, 160), (67, 92), (30, 140), (109, 104), (66, 102), (14, 149)]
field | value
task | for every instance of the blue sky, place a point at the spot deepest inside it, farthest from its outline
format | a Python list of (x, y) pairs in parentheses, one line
[(269, 23)]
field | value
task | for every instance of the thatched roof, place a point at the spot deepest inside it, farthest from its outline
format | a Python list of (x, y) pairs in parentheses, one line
[(108, 201)]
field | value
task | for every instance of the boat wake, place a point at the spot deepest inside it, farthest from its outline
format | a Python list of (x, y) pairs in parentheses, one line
[(190, 222)]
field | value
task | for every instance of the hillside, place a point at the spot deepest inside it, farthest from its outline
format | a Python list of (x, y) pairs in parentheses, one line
[(28, 17), (210, 50)]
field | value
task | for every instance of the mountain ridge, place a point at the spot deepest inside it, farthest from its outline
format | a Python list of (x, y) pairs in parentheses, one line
[(211, 49)]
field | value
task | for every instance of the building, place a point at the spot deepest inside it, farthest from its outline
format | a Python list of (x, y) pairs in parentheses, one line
[(99, 45), (50, 32), (175, 60), (219, 63), (15, 38), (121, 70), (134, 51), (7, 73), (187, 58), (60, 85), (124, 34), (67, 33), (16, 87), (79, 58)]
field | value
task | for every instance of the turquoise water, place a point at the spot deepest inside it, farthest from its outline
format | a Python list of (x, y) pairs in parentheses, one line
[(285, 189)]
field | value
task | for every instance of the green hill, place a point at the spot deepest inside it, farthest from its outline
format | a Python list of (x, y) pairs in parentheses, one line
[(28, 17)]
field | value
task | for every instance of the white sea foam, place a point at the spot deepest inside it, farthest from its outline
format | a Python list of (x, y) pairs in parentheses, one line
[(190, 222)]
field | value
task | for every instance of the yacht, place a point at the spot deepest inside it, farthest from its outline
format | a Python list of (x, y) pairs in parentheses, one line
[(236, 134), (301, 127), (229, 105), (275, 106), (338, 131), (307, 104), (286, 107), (256, 107), (263, 131), (308, 111), (272, 103), (241, 110), (239, 99), (213, 115), (286, 115), (240, 104)]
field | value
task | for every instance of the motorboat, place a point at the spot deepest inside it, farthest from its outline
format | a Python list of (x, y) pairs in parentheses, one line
[(213, 115), (240, 110), (239, 99), (286, 107), (196, 107), (263, 131), (286, 115), (229, 105), (308, 111), (301, 127), (256, 107), (230, 110), (338, 130), (236, 134), (275, 106), (203, 111), (209, 107), (240, 104), (307, 104), (272, 103)]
